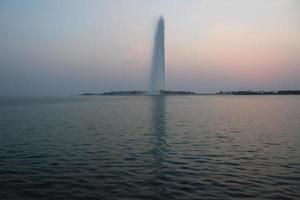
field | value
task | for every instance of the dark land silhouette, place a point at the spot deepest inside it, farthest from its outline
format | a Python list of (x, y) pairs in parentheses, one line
[(134, 92), (169, 92), (252, 92)]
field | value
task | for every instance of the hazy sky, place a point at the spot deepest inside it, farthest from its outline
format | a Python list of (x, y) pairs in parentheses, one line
[(66, 47)]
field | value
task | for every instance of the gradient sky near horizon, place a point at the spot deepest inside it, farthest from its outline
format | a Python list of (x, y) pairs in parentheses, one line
[(54, 47)]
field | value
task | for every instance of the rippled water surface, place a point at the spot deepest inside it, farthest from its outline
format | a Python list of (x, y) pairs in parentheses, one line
[(142, 147)]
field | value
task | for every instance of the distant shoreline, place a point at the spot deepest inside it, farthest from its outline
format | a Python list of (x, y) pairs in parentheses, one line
[(185, 93)]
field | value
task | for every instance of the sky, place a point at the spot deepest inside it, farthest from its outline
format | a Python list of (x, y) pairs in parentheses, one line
[(54, 47)]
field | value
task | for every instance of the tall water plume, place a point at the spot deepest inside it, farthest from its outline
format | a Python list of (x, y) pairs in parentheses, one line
[(157, 79)]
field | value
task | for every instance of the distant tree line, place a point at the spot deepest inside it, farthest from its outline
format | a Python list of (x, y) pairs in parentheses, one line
[(124, 93), (168, 92), (251, 92), (134, 92)]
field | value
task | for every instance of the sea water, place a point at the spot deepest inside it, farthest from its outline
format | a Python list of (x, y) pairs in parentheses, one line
[(150, 147)]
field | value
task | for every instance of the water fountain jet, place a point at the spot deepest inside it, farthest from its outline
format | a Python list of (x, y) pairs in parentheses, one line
[(157, 79)]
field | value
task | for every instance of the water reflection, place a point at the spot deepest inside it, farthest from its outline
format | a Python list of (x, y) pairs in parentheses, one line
[(159, 144), (159, 125)]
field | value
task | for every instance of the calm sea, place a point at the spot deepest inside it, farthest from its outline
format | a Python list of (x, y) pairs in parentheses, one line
[(142, 147)]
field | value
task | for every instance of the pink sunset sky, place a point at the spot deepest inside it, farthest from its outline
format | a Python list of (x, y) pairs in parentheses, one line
[(68, 47)]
